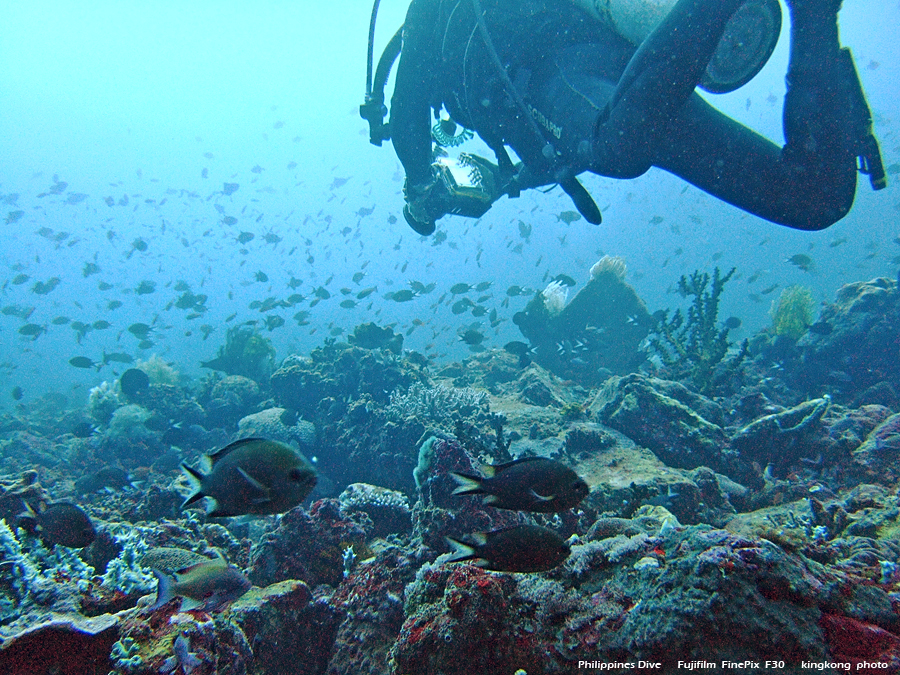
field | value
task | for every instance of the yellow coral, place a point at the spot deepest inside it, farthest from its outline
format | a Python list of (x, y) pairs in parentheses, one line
[(792, 312)]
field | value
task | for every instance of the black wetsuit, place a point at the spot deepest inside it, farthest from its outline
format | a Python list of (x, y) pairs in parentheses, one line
[(607, 107)]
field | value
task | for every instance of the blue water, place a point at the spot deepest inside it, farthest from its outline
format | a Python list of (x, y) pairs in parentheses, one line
[(144, 99)]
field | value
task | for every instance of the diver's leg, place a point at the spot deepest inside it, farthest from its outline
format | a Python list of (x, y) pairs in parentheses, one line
[(660, 76), (826, 117), (811, 182), (735, 164)]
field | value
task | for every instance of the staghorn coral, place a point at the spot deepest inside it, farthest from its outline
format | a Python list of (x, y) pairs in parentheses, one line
[(125, 573), (17, 570), (35, 580), (691, 346)]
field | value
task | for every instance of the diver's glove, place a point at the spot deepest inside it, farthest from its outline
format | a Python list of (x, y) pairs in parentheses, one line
[(466, 186), (421, 207)]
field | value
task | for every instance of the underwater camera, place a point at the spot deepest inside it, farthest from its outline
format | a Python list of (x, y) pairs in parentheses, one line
[(470, 184)]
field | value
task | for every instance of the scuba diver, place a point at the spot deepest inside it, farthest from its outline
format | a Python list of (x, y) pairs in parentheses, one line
[(569, 87)]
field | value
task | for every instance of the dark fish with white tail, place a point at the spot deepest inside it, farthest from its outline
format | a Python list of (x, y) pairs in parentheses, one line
[(253, 476), (60, 523), (523, 548), (531, 484)]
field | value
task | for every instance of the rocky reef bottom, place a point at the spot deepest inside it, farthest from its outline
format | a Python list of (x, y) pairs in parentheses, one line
[(753, 527)]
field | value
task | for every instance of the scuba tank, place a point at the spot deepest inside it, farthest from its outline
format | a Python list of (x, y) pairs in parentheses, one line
[(745, 47)]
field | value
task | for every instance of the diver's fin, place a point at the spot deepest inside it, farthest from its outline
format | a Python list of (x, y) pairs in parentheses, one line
[(862, 136), (582, 200)]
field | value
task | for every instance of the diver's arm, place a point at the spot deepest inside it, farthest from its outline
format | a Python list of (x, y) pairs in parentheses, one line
[(414, 90)]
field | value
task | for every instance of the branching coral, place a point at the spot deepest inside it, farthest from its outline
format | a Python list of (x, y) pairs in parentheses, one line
[(17, 570), (693, 347), (125, 573), (35, 575), (126, 654), (31, 575), (437, 404)]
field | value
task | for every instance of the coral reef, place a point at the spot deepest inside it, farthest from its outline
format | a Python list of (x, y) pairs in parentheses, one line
[(372, 336), (388, 509), (853, 354), (438, 513), (876, 458), (159, 371), (596, 334), (280, 425), (290, 628), (697, 593), (783, 438), (228, 399), (103, 400), (663, 417), (67, 644), (307, 546), (722, 523), (338, 372), (371, 599)]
